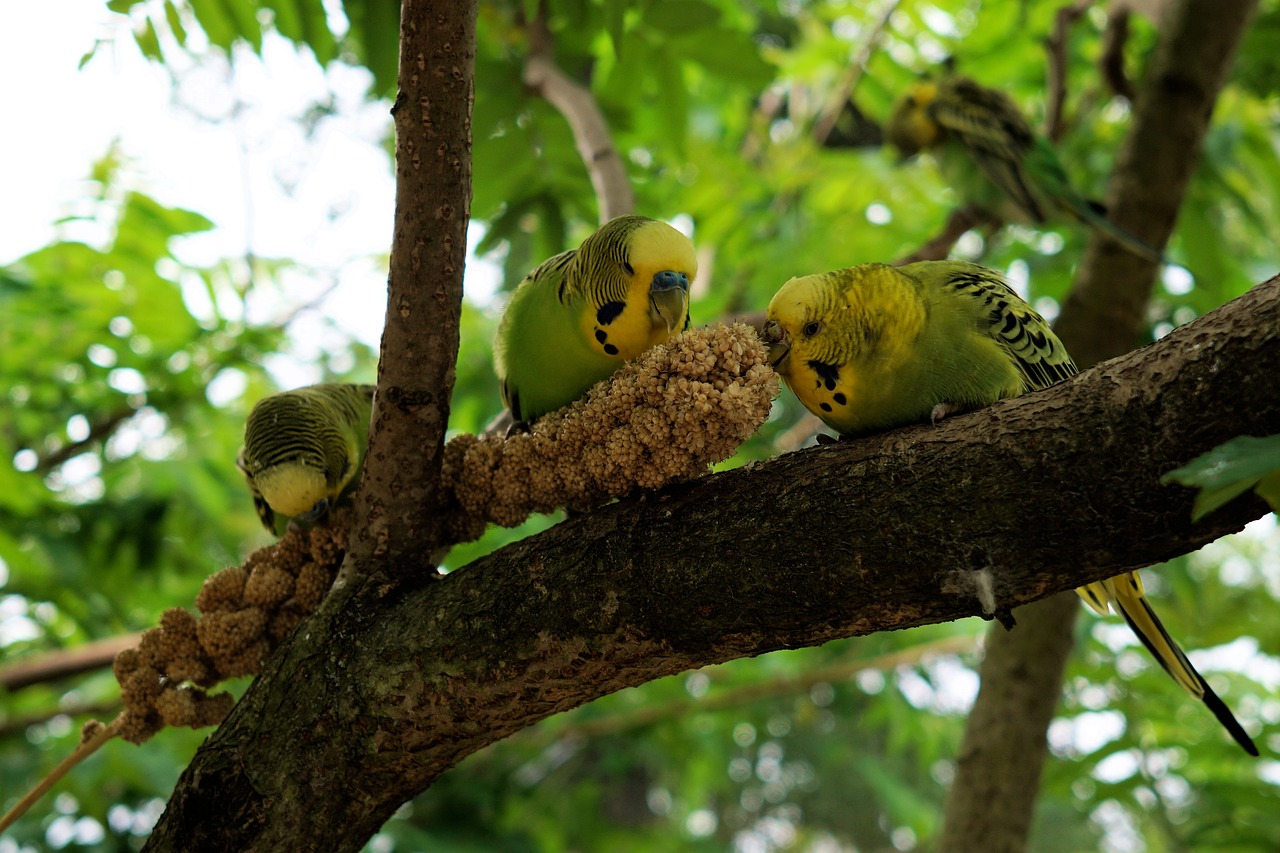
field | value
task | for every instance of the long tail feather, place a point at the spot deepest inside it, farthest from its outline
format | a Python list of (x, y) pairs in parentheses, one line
[(1125, 593), (1094, 215)]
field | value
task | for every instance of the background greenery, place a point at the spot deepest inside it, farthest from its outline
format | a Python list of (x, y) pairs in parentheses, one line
[(119, 493)]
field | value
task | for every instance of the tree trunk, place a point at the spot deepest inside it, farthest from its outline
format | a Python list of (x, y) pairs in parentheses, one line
[(993, 797)]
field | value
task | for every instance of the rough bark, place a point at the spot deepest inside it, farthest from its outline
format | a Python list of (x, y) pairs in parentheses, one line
[(992, 800), (428, 251), (369, 702)]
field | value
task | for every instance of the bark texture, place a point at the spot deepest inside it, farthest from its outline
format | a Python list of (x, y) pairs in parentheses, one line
[(992, 800), (372, 699), (398, 492)]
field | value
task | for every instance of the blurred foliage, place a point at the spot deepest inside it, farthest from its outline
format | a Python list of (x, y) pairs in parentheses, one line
[(128, 372), (1230, 469)]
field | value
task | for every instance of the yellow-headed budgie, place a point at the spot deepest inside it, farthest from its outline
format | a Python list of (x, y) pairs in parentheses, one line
[(577, 317), (873, 347), (991, 157), (303, 449)]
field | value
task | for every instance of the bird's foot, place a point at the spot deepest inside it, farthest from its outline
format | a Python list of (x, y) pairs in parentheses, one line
[(943, 410)]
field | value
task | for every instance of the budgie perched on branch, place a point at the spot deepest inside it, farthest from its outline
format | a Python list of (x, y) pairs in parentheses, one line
[(579, 315), (303, 449), (988, 153), (873, 347)]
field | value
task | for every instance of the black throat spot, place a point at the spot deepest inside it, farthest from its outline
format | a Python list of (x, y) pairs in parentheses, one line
[(609, 312), (828, 373)]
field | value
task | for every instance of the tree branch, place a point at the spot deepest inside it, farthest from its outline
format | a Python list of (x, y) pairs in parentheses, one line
[(590, 131), (64, 662), (396, 517), (844, 89), (370, 702), (1111, 62), (1056, 82), (99, 430)]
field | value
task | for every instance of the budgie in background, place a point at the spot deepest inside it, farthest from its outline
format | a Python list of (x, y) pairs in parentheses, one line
[(577, 317), (303, 449), (874, 347), (988, 153)]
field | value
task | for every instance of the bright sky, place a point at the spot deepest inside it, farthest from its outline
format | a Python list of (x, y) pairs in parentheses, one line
[(223, 142)]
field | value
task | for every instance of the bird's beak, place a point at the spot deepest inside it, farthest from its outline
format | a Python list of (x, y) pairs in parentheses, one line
[(779, 343), (669, 298), (318, 511)]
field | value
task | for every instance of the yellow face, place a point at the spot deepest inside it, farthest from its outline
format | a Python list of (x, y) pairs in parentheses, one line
[(293, 489), (910, 128), (805, 347), (657, 268), (840, 340)]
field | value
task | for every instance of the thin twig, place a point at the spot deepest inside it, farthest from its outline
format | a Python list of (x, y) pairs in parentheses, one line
[(767, 108), (100, 430), (590, 131), (93, 741), (1111, 63), (1056, 47), (840, 95), (796, 436)]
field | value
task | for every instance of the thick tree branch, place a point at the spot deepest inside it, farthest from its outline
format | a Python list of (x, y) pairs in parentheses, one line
[(400, 490), (590, 131), (367, 704)]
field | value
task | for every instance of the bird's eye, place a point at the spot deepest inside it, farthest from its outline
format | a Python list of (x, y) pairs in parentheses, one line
[(811, 328), (628, 269)]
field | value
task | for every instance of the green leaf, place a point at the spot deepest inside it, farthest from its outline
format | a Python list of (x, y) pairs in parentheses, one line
[(149, 42), (1229, 470), (216, 23), (175, 22), (375, 30), (1269, 489), (244, 16)]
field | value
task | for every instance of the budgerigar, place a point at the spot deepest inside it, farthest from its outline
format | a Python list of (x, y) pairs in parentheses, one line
[(991, 157), (303, 449), (873, 347), (577, 317)]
